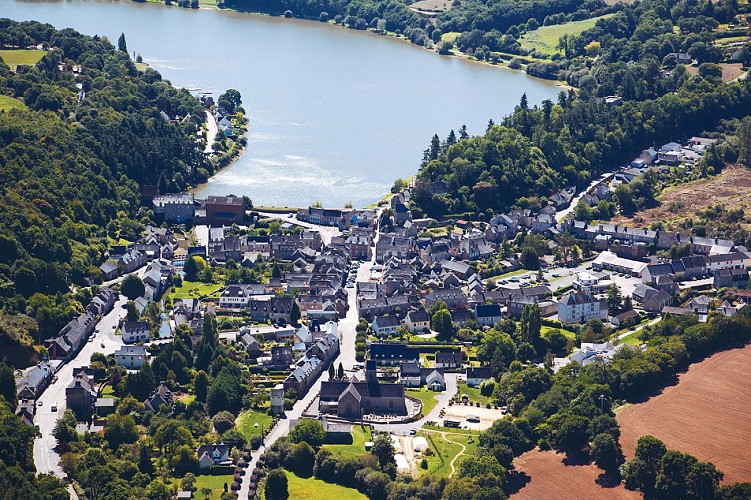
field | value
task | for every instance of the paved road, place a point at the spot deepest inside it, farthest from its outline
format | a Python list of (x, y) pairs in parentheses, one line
[(45, 458)]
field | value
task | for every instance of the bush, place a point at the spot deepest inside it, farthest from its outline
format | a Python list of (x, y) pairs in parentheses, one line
[(543, 444)]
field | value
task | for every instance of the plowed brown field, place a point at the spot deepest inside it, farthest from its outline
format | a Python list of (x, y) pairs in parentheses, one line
[(550, 475), (707, 414)]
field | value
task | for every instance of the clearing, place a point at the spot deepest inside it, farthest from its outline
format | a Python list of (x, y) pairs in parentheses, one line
[(431, 6), (7, 103), (21, 56), (314, 489), (705, 414), (730, 71), (545, 38), (195, 289), (247, 420), (728, 188), (547, 474), (214, 483)]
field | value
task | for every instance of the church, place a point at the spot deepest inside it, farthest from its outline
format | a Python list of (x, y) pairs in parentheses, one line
[(352, 399)]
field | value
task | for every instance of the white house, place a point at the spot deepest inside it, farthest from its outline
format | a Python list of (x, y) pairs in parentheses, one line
[(580, 307), (131, 357), (476, 376), (137, 331), (435, 381), (417, 321), (448, 360), (213, 454), (235, 297), (488, 314), (385, 325)]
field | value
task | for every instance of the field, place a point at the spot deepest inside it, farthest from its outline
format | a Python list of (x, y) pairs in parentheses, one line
[(315, 489), (357, 448), (21, 56), (7, 103), (705, 414), (545, 38), (729, 188), (546, 474), (730, 71), (195, 289), (448, 448), (545, 329), (431, 5), (216, 483), (473, 393), (247, 420)]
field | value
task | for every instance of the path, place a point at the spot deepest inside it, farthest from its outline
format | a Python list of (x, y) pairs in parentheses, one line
[(561, 214), (640, 327), (444, 436), (211, 130)]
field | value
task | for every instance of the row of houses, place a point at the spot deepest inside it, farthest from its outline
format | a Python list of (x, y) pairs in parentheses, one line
[(184, 208), (73, 335)]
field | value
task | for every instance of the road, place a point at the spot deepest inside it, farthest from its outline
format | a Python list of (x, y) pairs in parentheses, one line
[(561, 214), (45, 457), (211, 130)]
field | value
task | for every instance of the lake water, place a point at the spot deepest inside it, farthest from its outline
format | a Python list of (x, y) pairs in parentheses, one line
[(335, 114)]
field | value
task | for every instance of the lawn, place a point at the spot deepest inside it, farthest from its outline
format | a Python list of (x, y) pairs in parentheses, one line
[(195, 289), (357, 448), (315, 489), (545, 38), (451, 36), (7, 103), (247, 420), (21, 56), (545, 329), (473, 393), (216, 483), (632, 339), (427, 397)]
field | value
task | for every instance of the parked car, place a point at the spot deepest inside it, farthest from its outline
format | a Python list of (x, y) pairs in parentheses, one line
[(54, 407), (412, 431)]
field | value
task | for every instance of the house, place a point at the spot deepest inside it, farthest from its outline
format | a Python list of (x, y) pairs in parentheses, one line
[(449, 360), (477, 375), (159, 397), (657, 301), (627, 318), (462, 316), (436, 381), (385, 325), (277, 399), (25, 411), (80, 395), (730, 278), (392, 353), (460, 269), (282, 356), (488, 314), (213, 454), (131, 357), (409, 374), (109, 270), (417, 321), (251, 344), (580, 307), (34, 381), (235, 297), (178, 208), (135, 331), (104, 406)]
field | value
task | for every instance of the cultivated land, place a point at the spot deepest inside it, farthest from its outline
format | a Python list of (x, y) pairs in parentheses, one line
[(431, 5), (730, 71), (705, 414), (21, 56), (545, 38), (728, 188), (547, 474)]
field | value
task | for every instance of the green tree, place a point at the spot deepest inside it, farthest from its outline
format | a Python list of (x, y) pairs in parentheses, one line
[(132, 314), (442, 323), (614, 298), (65, 428), (383, 450), (529, 258), (132, 287), (192, 268), (223, 421), (308, 430), (7, 384), (276, 485), (185, 461), (606, 452), (201, 385), (122, 46), (230, 100), (294, 313), (120, 429), (302, 458), (496, 349)]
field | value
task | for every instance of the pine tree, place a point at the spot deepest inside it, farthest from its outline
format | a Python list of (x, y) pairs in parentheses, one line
[(122, 46)]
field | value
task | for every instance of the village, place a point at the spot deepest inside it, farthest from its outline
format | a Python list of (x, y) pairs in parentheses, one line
[(372, 317)]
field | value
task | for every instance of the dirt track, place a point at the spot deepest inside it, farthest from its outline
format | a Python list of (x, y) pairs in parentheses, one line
[(706, 414)]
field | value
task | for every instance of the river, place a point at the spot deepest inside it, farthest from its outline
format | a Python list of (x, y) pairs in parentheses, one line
[(335, 114)]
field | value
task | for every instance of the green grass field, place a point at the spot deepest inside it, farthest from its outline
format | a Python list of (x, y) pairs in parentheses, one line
[(631, 339), (451, 36), (315, 489), (21, 56), (216, 483), (545, 38), (444, 451), (427, 397), (195, 289), (357, 448), (247, 420), (545, 329), (473, 393), (7, 103)]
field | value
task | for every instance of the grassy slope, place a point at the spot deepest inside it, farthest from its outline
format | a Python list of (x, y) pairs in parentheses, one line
[(427, 397), (315, 489), (7, 103), (545, 39), (247, 419), (21, 56)]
